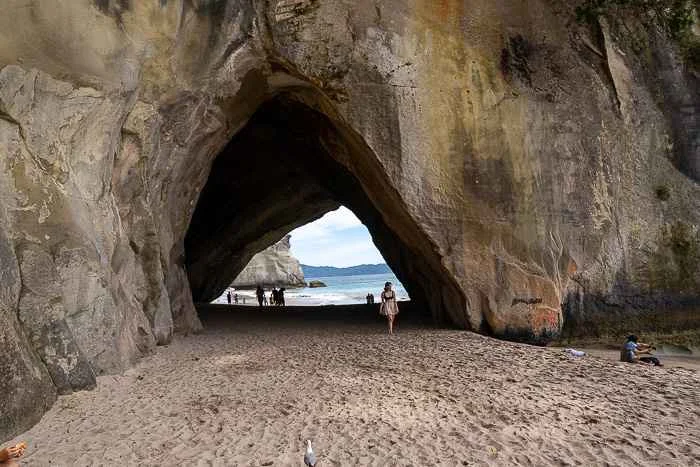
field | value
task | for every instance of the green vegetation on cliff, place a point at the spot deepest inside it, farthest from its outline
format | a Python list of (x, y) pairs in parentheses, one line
[(675, 16)]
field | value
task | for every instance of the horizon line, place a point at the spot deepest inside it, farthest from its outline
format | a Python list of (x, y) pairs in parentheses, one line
[(344, 267)]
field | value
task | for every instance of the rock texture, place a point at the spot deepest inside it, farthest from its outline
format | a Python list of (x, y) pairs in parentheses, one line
[(506, 160), (273, 267)]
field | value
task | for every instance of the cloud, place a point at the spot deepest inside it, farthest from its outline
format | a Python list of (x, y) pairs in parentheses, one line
[(339, 253), (337, 239), (325, 227)]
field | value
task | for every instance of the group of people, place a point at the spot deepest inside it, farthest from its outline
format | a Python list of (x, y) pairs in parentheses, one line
[(233, 297), (370, 298), (276, 296)]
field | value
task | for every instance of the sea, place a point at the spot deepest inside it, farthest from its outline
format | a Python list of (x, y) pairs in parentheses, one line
[(339, 290)]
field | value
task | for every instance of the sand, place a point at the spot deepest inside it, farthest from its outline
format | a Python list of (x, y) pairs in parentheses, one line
[(254, 386), (668, 360)]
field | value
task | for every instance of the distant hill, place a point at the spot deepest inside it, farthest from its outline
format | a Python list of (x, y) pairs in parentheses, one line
[(330, 271)]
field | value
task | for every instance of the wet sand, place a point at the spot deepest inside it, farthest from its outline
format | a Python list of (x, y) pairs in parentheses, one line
[(252, 387)]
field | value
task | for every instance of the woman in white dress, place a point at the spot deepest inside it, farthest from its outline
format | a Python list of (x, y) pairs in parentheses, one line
[(389, 307)]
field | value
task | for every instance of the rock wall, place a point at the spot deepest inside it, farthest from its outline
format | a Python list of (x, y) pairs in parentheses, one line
[(506, 159), (273, 267)]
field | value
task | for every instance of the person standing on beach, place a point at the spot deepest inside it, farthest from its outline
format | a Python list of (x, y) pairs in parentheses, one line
[(260, 293), (280, 297), (228, 297), (389, 307)]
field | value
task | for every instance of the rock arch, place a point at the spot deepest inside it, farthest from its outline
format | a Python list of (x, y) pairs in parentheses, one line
[(532, 185), (295, 160)]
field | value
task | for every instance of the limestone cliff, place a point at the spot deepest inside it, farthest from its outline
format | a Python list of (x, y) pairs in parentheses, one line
[(506, 159), (273, 267)]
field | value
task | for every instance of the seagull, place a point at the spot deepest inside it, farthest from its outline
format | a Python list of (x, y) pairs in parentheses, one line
[(309, 457)]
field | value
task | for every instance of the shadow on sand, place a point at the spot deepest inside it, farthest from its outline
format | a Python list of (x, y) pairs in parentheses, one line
[(223, 316)]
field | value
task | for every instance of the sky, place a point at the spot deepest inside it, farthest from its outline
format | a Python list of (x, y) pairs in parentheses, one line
[(337, 239)]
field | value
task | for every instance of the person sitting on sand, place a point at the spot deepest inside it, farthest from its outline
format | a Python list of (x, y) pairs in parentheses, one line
[(13, 452), (632, 350), (389, 307)]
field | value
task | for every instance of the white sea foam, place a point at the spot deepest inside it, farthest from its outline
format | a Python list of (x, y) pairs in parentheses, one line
[(341, 290)]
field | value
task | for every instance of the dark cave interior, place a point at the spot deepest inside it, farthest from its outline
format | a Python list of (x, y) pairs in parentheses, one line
[(288, 166)]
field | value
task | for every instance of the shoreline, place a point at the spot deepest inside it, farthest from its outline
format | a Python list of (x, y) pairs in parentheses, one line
[(294, 299), (338, 290)]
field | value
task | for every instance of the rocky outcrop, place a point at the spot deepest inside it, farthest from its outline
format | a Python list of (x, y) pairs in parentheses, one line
[(506, 160), (26, 388), (316, 284), (273, 267)]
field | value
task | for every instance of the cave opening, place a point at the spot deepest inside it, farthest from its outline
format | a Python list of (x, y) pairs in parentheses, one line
[(293, 162), (330, 261)]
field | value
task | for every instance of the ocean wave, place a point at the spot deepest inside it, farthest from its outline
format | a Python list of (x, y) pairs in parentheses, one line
[(346, 290)]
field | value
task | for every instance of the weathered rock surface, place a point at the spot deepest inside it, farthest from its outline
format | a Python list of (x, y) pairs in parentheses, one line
[(273, 267), (505, 159), (317, 284), (26, 387)]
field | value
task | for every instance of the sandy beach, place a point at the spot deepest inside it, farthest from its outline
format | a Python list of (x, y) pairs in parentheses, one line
[(254, 385)]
